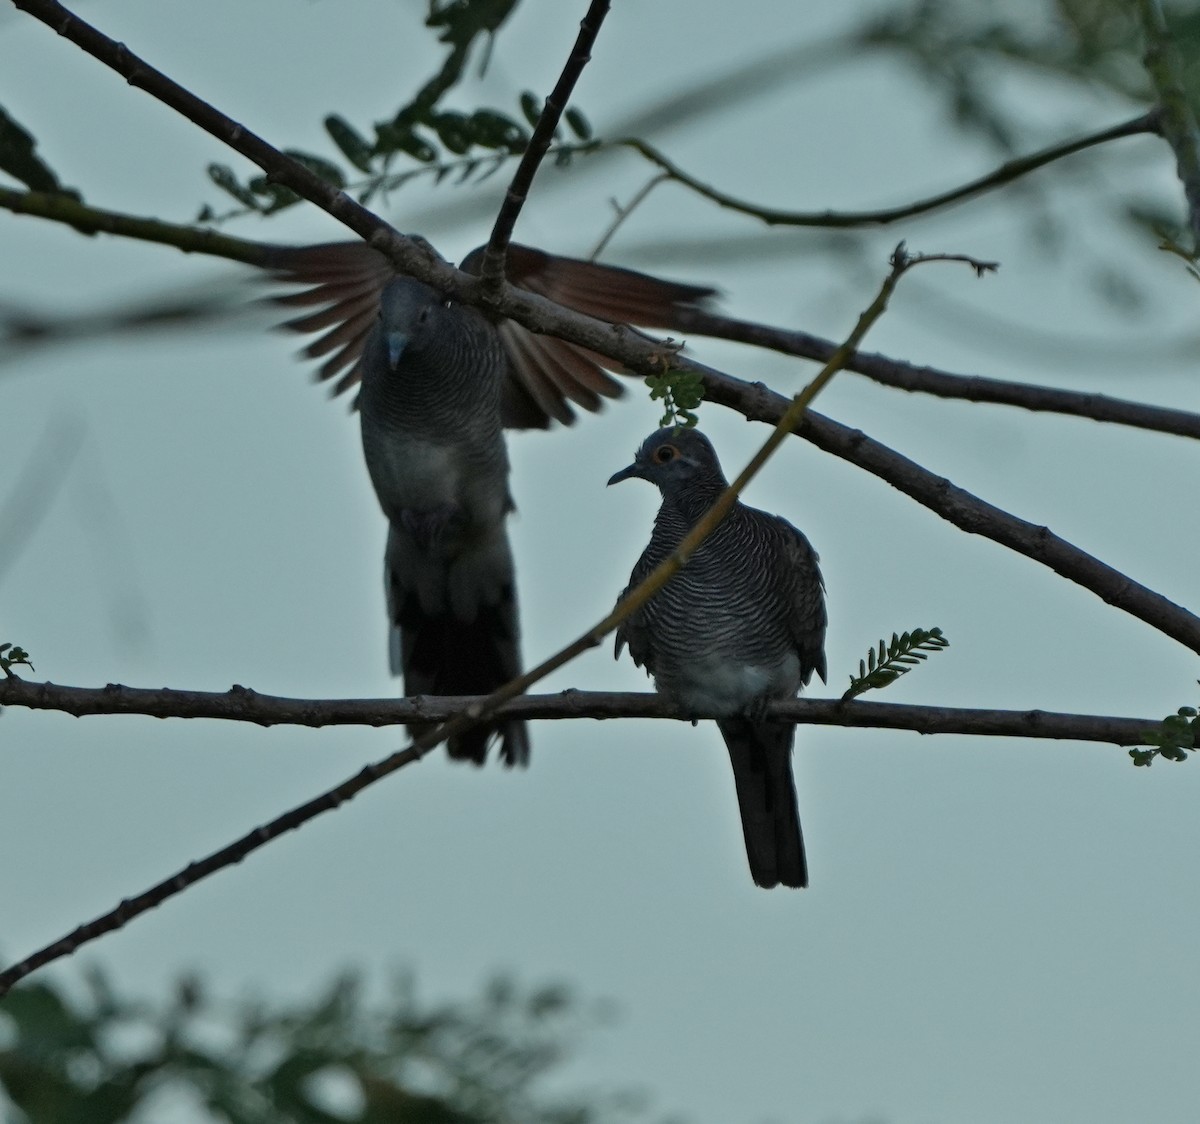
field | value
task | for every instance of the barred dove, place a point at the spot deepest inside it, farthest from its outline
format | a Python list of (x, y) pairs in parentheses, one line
[(439, 381), (741, 624)]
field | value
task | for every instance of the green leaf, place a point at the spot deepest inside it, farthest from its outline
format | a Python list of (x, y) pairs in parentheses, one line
[(11, 655), (887, 662), (578, 124), (319, 166), (490, 129), (531, 106), (391, 137), (351, 143), (222, 175), (453, 130)]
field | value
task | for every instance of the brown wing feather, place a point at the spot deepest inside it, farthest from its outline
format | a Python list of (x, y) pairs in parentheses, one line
[(545, 374), (621, 296), (346, 280)]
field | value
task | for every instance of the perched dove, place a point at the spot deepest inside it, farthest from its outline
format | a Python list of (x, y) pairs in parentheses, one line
[(741, 624)]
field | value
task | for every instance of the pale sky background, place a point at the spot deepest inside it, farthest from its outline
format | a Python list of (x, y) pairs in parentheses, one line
[(996, 932)]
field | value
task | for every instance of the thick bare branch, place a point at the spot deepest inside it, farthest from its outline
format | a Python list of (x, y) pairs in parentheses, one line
[(240, 704)]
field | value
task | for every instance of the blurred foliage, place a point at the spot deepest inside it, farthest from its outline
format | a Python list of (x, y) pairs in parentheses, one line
[(958, 48), (984, 65), (441, 142), (104, 1058), (19, 158)]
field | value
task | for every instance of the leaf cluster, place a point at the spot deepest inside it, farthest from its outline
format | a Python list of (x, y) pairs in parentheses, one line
[(681, 393), (431, 141), (1173, 740), (12, 656), (442, 144), (336, 1058), (882, 668)]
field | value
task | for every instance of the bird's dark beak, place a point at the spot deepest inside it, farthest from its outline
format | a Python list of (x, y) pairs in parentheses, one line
[(626, 474), (396, 343)]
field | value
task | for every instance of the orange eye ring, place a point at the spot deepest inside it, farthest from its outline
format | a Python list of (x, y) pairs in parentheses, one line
[(665, 453)]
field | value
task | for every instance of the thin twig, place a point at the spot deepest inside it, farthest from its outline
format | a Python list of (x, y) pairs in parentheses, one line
[(96, 220), (622, 213), (240, 704), (491, 270), (1005, 173)]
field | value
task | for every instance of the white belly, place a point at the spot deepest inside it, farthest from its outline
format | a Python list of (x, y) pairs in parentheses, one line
[(724, 687)]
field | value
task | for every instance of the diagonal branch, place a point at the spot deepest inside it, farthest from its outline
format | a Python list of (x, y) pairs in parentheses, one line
[(410, 255), (960, 507), (491, 269), (240, 704)]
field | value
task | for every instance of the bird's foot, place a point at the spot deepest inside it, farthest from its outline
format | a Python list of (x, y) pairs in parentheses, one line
[(756, 709)]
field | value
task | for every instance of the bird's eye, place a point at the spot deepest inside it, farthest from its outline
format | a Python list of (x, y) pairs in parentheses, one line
[(665, 453)]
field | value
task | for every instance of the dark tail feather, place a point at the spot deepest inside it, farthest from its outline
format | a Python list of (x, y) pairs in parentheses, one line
[(761, 756), (442, 655)]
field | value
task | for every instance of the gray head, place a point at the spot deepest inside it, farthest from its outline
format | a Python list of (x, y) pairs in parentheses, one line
[(674, 459), (410, 315)]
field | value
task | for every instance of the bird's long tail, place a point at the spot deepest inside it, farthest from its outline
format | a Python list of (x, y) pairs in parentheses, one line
[(761, 755), (440, 653)]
